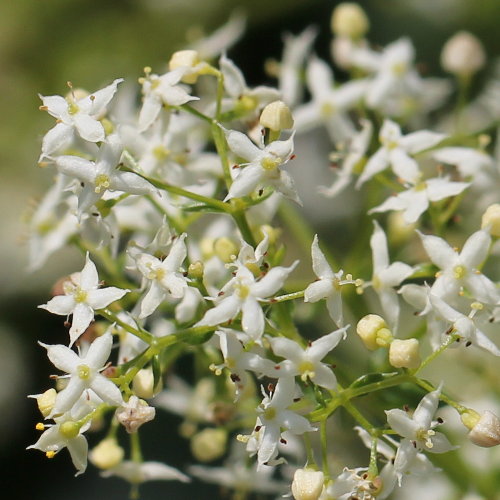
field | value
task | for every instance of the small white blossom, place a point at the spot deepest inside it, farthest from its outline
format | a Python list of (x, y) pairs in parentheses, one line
[(140, 472), (84, 373), (82, 296)]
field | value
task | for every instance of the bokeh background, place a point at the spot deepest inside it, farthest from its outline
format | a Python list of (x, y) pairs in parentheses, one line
[(45, 43)]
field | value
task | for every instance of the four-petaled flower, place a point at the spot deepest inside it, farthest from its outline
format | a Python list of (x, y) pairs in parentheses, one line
[(84, 374), (82, 296)]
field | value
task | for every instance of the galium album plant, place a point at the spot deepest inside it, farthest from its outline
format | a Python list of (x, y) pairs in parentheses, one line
[(195, 250)]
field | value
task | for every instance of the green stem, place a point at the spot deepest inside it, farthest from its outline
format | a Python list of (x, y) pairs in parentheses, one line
[(324, 449), (449, 341), (288, 296), (113, 318)]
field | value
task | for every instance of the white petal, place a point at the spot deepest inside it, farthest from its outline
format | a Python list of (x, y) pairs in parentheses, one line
[(320, 265), (246, 181), (394, 274), (234, 82), (78, 449), (83, 315), (322, 346), (60, 304), (62, 357), (242, 146), (418, 141), (402, 423), (177, 254), (99, 351), (324, 377), (426, 408), (272, 281), (476, 249), (57, 105), (56, 139), (252, 320), (378, 162), (440, 188), (153, 298), (319, 78), (296, 424), (404, 167), (378, 244), (287, 349), (131, 183), (89, 129), (438, 250), (106, 390), (150, 110), (89, 279), (227, 309), (319, 290), (96, 102), (98, 299), (76, 167), (67, 398)]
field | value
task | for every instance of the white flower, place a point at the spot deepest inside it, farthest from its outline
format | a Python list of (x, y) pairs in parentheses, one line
[(73, 114), (415, 200), (469, 162), (134, 413), (84, 373), (396, 150), (329, 105), (160, 90), (351, 158), (102, 175), (242, 293), (163, 276), (328, 286), (274, 416), (463, 325), (460, 270), (263, 167), (82, 297), (418, 431), (65, 433), (307, 362), (139, 472), (386, 276)]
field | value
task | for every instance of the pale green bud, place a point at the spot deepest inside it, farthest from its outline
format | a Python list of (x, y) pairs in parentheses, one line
[(107, 454), (486, 431), (374, 331), (404, 353), (143, 384), (185, 59), (491, 220), (349, 20), (195, 270), (307, 484), (276, 116), (46, 401), (225, 249), (209, 444)]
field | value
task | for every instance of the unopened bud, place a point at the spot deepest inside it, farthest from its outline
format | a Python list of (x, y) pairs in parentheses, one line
[(225, 249), (195, 270), (491, 220), (209, 444), (307, 484), (134, 413), (46, 401), (374, 332), (404, 353), (185, 59), (276, 116), (349, 20), (486, 431), (107, 454), (463, 54), (143, 384)]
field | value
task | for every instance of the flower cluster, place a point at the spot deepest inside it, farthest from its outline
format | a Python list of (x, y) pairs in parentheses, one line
[(187, 205)]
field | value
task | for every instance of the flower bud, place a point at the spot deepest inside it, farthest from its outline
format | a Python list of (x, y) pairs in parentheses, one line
[(491, 220), (225, 249), (374, 331), (107, 454), (196, 269), (185, 59), (486, 432), (46, 401), (404, 353), (143, 384), (276, 116), (209, 444), (463, 54), (349, 20), (307, 484), (134, 413)]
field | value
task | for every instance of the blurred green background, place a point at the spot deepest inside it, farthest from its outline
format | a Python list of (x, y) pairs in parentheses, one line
[(45, 43)]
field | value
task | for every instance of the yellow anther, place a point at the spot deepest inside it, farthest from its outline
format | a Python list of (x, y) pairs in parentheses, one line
[(477, 306), (50, 454), (79, 295), (459, 272), (242, 438), (40, 426), (101, 182), (269, 163), (83, 372)]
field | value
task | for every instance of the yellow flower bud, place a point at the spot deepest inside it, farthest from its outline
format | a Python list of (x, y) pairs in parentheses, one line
[(307, 484), (404, 353), (185, 59), (46, 401), (107, 454), (374, 331), (225, 249), (196, 269), (209, 444), (143, 384), (276, 116), (491, 220), (349, 20)]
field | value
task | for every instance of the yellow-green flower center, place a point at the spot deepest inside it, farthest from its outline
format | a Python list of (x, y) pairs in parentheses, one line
[(399, 69), (269, 163), (245, 104), (73, 108), (83, 372), (426, 435), (161, 153), (459, 272), (80, 295), (306, 369), (69, 429), (242, 291), (327, 109), (269, 413), (101, 183)]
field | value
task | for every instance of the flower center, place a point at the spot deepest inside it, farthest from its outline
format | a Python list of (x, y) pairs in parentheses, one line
[(69, 429), (426, 435), (306, 369), (73, 108), (79, 295), (269, 413), (399, 69), (161, 153), (230, 363), (270, 163), (245, 104), (101, 183), (327, 109), (83, 372), (459, 272), (243, 291)]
